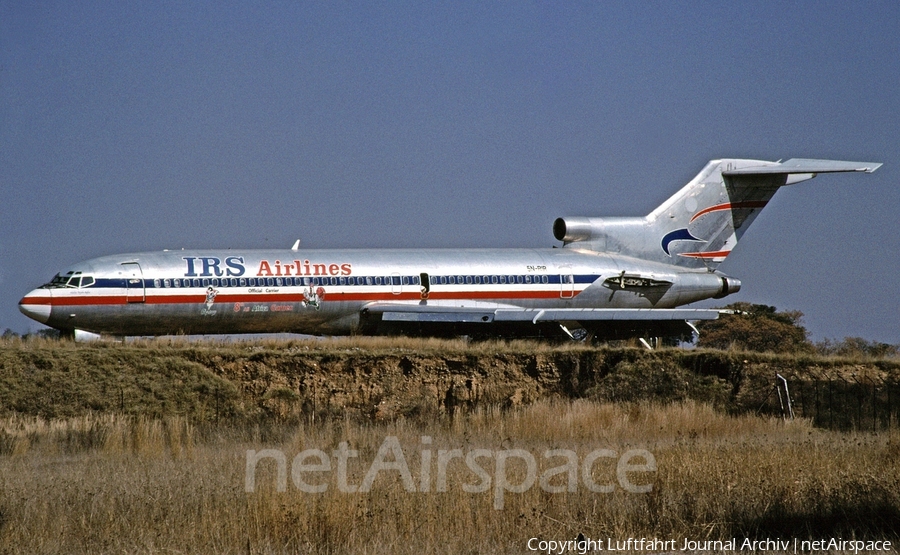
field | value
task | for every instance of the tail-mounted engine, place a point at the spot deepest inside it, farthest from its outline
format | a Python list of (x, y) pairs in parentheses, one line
[(729, 285), (569, 230), (600, 233)]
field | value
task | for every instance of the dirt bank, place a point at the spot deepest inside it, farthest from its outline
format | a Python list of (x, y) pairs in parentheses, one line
[(295, 380)]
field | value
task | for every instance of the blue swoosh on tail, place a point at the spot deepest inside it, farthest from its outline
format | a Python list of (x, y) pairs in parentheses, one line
[(678, 235)]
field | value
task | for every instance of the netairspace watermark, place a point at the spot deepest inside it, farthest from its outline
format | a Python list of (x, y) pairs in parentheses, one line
[(583, 545), (514, 470)]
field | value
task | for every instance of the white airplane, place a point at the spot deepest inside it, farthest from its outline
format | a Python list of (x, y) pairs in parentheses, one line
[(612, 277)]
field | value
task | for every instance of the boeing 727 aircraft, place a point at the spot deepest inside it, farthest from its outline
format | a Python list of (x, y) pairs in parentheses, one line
[(611, 278)]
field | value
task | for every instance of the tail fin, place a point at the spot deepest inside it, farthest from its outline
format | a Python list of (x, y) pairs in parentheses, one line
[(700, 224)]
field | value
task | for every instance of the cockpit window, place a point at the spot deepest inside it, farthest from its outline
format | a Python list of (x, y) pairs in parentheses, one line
[(70, 280), (59, 281)]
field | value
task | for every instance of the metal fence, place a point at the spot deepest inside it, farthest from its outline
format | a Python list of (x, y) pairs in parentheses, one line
[(834, 402)]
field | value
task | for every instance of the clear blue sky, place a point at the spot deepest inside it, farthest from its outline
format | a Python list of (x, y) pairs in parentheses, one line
[(129, 126)]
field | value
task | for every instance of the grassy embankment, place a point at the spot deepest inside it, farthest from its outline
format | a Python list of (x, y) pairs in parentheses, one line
[(378, 378)]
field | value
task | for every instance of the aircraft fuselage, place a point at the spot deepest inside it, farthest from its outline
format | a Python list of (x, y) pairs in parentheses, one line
[(326, 291)]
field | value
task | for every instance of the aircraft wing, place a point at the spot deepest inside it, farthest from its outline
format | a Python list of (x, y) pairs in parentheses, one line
[(608, 322), (803, 165), (426, 313)]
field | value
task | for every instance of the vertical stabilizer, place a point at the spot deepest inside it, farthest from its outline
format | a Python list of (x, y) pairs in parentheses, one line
[(700, 224)]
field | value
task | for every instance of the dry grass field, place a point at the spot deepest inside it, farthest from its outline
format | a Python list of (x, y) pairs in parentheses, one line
[(124, 484), (365, 445)]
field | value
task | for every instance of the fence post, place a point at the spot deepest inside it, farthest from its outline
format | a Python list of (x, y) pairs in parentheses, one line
[(874, 413), (816, 390), (890, 407), (787, 396), (831, 404)]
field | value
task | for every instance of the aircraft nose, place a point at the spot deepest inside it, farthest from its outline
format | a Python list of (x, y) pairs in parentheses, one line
[(36, 305)]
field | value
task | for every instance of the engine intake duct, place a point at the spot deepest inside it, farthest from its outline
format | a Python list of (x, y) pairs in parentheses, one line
[(569, 230), (599, 232)]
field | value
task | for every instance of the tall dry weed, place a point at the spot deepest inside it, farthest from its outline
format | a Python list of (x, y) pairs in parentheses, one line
[(113, 484)]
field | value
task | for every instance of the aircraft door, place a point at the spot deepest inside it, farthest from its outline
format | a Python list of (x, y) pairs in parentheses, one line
[(396, 286), (566, 286), (134, 282), (424, 285)]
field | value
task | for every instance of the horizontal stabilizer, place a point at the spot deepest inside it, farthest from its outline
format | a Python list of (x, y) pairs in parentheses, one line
[(802, 165)]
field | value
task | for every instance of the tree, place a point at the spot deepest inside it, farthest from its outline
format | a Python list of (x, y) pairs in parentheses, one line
[(857, 347), (756, 327)]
